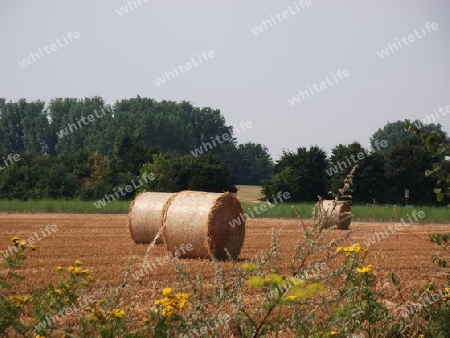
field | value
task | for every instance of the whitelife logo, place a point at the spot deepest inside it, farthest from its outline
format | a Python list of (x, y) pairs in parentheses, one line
[(71, 127), (411, 38), (360, 156), (47, 231), (379, 236), (49, 49), (10, 159), (341, 74), (266, 24), (129, 7), (206, 146), (206, 55)]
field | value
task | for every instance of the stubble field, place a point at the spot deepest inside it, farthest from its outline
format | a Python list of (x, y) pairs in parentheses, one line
[(103, 244)]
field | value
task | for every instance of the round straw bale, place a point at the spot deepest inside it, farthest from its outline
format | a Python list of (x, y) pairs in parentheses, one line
[(197, 225), (334, 213), (146, 216)]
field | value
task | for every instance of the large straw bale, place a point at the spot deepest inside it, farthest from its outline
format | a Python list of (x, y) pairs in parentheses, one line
[(201, 221), (333, 212), (146, 216)]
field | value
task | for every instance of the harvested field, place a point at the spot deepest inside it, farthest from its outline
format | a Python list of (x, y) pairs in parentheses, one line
[(103, 243)]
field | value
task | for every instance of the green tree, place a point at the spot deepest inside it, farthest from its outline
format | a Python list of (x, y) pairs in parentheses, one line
[(250, 162), (394, 132), (302, 174), (176, 173), (438, 144), (129, 152), (404, 167)]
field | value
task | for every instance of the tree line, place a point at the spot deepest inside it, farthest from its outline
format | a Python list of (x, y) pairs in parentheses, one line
[(85, 148)]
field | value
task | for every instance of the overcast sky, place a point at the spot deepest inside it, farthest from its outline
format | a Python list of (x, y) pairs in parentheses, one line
[(251, 77)]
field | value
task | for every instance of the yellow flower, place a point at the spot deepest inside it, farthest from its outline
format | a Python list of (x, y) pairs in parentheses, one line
[(339, 249), (168, 311), (32, 247), (97, 315), (365, 269), (275, 279), (59, 268), (146, 320), (447, 296), (291, 297), (76, 271), (333, 333), (421, 335), (180, 301), (256, 282), (166, 292), (249, 267), (118, 313), (18, 300), (23, 244), (15, 239), (39, 336), (58, 291), (78, 262)]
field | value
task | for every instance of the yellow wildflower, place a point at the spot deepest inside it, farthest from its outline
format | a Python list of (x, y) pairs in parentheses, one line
[(256, 282), (249, 267), (76, 271), (59, 268), (291, 297), (15, 240), (146, 320), (58, 291), (171, 302), (421, 335), (339, 249), (78, 262), (97, 315), (39, 336), (166, 292), (118, 313), (18, 300), (168, 311), (333, 333), (365, 269), (23, 244), (447, 291), (275, 279), (32, 247), (180, 301)]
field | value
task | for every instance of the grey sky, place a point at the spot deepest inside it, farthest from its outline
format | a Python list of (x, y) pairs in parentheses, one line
[(251, 77)]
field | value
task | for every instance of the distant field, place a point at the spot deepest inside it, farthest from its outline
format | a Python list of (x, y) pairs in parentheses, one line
[(249, 197), (249, 193), (64, 206)]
